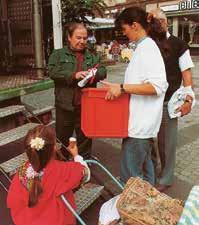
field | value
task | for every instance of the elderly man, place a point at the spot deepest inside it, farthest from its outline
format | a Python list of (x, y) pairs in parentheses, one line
[(178, 70), (67, 66)]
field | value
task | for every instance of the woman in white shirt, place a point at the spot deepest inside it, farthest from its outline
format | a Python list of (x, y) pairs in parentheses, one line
[(145, 81)]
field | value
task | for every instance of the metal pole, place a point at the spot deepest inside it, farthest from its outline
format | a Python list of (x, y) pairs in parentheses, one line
[(175, 26), (38, 39), (68, 205), (57, 24), (119, 184)]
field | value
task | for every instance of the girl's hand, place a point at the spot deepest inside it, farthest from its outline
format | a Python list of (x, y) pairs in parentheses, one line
[(114, 90), (72, 148)]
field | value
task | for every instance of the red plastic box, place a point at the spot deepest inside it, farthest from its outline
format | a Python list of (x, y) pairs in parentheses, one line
[(102, 118)]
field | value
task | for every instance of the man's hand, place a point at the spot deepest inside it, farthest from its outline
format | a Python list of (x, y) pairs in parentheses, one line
[(186, 107), (187, 81), (114, 90), (80, 75)]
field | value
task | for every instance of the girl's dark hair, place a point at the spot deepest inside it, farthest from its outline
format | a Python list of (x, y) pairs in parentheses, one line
[(150, 24), (39, 159)]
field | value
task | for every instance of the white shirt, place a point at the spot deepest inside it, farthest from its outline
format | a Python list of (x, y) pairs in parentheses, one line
[(145, 112), (108, 211), (79, 158), (185, 62)]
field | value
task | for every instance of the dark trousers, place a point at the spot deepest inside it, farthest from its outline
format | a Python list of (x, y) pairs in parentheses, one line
[(66, 123), (167, 142)]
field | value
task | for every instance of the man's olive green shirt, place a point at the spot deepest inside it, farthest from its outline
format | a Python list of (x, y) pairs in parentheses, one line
[(62, 66)]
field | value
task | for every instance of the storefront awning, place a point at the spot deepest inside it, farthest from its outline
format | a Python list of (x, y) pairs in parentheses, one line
[(100, 23), (182, 13), (176, 8)]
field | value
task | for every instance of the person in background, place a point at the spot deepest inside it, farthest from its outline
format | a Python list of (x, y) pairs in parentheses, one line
[(145, 81), (92, 40), (34, 194), (178, 70), (115, 50), (67, 66)]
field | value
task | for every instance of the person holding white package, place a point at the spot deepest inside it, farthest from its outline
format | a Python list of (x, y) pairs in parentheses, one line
[(178, 70)]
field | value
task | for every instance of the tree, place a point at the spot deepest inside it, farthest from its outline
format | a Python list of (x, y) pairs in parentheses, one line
[(77, 10)]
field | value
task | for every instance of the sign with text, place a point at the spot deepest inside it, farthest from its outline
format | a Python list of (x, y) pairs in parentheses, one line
[(189, 4)]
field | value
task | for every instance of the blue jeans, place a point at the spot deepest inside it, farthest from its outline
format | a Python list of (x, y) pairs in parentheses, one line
[(136, 159)]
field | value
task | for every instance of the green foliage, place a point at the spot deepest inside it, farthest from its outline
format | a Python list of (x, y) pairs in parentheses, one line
[(77, 10)]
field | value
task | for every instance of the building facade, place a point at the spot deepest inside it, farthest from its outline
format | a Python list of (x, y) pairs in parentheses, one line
[(183, 20), (183, 16)]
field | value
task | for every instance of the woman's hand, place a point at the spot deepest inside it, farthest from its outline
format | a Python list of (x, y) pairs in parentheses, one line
[(114, 90), (80, 75)]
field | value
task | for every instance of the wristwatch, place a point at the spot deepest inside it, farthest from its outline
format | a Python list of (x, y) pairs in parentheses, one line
[(188, 100), (122, 89)]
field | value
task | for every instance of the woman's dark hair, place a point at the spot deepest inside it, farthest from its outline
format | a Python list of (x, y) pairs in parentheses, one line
[(150, 24), (39, 159)]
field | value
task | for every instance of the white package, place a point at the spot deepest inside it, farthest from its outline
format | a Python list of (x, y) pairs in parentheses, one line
[(84, 81)]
